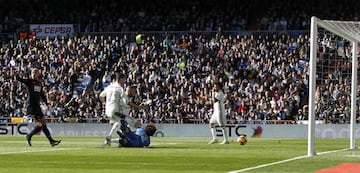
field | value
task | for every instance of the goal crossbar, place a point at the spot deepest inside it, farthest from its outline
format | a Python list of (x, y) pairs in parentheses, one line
[(344, 29)]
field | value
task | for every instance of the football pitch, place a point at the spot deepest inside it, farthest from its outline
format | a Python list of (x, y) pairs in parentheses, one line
[(85, 155)]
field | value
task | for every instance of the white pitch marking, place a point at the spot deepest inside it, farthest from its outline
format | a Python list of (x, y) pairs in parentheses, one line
[(352, 155), (282, 161), (31, 151), (163, 143)]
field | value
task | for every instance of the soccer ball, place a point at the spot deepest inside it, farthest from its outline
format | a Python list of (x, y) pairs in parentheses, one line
[(242, 140)]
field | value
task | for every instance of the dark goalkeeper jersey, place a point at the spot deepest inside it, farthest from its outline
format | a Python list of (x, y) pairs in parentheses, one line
[(35, 92)]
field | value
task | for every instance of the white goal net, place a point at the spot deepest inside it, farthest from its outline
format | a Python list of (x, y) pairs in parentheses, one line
[(333, 75)]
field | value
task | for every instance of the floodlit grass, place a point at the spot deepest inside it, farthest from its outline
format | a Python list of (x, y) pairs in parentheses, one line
[(85, 155)]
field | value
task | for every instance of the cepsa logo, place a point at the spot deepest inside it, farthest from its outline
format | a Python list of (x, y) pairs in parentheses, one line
[(58, 30), (11, 129), (51, 30)]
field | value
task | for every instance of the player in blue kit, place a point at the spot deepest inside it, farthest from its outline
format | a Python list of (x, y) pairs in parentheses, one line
[(138, 138)]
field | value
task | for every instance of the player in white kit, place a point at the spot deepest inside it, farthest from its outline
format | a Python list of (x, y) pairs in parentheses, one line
[(218, 117), (124, 106), (112, 96), (127, 103)]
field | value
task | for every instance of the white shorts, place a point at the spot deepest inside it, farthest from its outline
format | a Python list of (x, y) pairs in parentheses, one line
[(218, 118), (114, 119), (130, 121)]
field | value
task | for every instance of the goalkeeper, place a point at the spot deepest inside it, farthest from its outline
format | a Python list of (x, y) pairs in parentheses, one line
[(138, 138)]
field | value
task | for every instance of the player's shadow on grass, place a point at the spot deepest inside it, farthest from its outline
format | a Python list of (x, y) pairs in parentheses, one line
[(151, 147)]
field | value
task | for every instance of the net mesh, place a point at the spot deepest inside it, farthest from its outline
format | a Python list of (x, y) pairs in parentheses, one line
[(334, 69), (347, 29)]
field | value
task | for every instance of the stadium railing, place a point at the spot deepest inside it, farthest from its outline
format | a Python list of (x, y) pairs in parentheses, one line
[(178, 34), (6, 120)]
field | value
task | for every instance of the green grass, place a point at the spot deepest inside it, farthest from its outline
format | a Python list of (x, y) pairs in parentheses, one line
[(84, 155)]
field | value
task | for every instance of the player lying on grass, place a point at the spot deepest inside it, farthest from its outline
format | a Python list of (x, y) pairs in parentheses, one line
[(118, 101), (138, 138)]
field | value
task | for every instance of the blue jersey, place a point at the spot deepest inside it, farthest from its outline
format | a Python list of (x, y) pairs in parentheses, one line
[(133, 140), (144, 137), (136, 139)]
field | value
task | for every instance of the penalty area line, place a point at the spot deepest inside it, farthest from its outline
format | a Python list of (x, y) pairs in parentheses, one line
[(32, 151), (164, 143), (283, 161)]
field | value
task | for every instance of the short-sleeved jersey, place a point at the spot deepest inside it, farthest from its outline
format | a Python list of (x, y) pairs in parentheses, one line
[(124, 105), (218, 115), (114, 94), (133, 140), (137, 138), (144, 137)]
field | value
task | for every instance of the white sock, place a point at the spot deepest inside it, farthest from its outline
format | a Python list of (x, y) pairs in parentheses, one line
[(131, 121), (114, 127), (212, 129), (224, 131)]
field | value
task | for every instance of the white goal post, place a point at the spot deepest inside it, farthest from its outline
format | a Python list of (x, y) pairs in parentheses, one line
[(350, 31)]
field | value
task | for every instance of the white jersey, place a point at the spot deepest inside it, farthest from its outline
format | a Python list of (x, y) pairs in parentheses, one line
[(114, 94), (124, 105), (218, 115), (125, 109)]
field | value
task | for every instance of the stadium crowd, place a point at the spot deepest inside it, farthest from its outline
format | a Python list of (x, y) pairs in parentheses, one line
[(175, 15), (265, 74), (266, 77)]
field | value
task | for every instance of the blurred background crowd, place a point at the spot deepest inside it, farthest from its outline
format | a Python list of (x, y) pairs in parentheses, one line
[(184, 47), (175, 15)]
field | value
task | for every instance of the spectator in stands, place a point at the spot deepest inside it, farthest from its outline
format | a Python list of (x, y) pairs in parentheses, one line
[(262, 65)]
